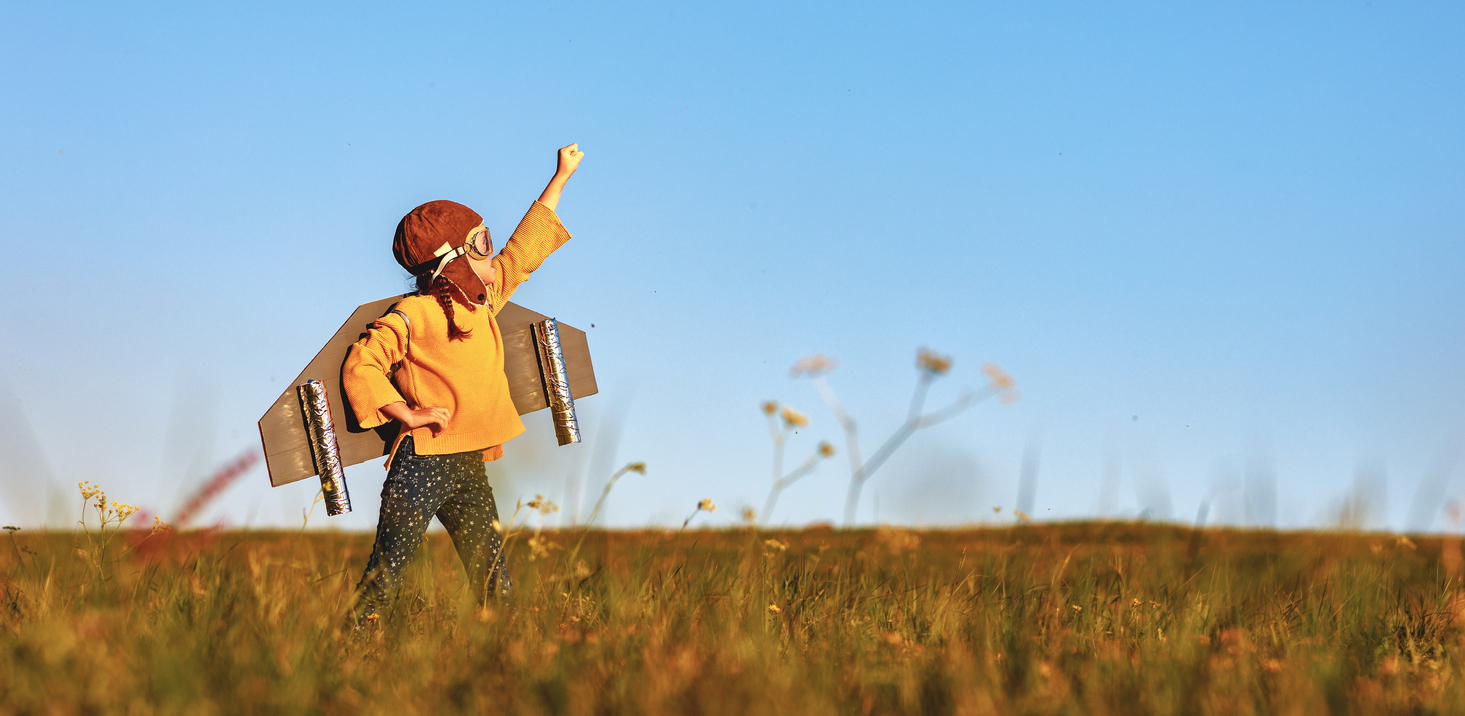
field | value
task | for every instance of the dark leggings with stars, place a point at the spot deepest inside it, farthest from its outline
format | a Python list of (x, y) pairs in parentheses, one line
[(455, 489)]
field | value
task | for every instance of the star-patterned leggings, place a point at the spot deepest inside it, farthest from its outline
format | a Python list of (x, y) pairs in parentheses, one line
[(453, 487)]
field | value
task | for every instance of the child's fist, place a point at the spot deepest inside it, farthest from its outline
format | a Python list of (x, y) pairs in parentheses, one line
[(569, 160)]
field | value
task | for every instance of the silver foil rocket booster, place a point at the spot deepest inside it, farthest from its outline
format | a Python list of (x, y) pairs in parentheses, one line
[(320, 432), (556, 381)]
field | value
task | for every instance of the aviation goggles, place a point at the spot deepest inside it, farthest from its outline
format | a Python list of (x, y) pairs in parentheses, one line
[(479, 246)]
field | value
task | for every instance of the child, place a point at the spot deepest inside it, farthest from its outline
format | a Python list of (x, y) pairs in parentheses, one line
[(435, 364)]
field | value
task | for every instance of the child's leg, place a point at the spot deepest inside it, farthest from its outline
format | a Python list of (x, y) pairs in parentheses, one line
[(415, 488), (469, 514)]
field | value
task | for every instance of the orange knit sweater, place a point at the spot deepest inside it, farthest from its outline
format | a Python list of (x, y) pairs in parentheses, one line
[(465, 376)]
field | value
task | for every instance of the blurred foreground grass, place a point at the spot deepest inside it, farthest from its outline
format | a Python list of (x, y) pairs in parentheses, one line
[(1088, 618)]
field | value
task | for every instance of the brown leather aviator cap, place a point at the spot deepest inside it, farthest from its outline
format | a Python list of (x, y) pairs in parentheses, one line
[(434, 233)]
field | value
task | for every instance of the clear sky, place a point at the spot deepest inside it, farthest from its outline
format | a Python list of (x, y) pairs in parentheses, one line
[(1219, 248)]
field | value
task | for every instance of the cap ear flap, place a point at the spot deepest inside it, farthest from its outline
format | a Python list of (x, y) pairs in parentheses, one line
[(466, 280)]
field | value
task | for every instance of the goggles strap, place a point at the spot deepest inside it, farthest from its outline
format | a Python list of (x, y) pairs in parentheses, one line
[(449, 256)]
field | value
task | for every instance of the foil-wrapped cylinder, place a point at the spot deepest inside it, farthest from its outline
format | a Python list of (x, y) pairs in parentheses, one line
[(320, 432), (556, 381)]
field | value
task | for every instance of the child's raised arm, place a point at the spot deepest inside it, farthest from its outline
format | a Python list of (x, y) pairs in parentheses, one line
[(569, 160)]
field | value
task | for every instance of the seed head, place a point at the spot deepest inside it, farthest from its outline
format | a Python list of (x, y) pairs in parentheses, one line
[(637, 467)]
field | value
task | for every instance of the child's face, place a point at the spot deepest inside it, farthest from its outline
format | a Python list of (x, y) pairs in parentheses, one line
[(485, 269)]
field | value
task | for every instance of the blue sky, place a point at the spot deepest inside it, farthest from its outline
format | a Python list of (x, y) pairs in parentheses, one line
[(1218, 248)]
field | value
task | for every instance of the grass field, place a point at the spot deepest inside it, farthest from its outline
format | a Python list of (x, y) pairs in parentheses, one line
[(1083, 618)]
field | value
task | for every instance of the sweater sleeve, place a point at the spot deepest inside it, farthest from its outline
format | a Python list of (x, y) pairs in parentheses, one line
[(537, 236), (365, 374)]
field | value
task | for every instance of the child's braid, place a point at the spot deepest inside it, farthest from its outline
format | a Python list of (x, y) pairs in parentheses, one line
[(443, 290)]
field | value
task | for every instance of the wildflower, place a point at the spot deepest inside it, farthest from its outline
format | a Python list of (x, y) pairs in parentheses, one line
[(544, 506), (1076, 607), (996, 510), (999, 379), (582, 570), (539, 547), (159, 525), (774, 608), (812, 366), (703, 505), (769, 407), (932, 363), (1134, 602), (774, 544), (1154, 605), (12, 529), (825, 449), (793, 418), (637, 467), (1404, 542), (749, 515), (1022, 515)]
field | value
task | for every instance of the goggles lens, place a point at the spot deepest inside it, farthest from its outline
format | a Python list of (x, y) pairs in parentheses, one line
[(480, 245)]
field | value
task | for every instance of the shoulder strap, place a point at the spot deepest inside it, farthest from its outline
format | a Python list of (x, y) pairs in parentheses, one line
[(408, 322)]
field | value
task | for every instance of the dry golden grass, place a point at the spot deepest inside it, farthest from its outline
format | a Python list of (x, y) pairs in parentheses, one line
[(1086, 618)]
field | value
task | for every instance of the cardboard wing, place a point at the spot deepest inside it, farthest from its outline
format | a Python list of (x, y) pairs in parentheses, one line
[(282, 429)]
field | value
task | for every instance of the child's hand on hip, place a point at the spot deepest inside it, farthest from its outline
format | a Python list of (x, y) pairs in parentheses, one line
[(569, 160), (436, 418)]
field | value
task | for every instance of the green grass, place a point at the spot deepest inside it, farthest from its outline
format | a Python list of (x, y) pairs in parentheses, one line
[(1083, 618)]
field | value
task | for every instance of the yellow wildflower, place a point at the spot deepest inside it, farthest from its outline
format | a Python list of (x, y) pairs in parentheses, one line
[(749, 515), (932, 362), (1404, 542), (706, 505), (826, 450), (793, 418), (1022, 515), (1000, 379), (769, 407), (774, 608), (543, 505), (774, 544), (812, 366)]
